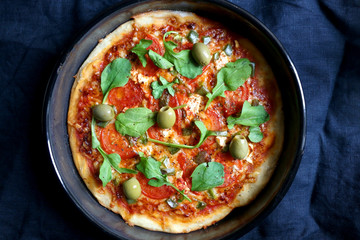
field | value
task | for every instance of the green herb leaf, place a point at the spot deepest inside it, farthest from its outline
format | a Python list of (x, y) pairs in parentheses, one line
[(183, 61), (135, 121), (151, 169), (140, 50), (206, 133), (105, 172), (255, 134), (115, 74), (235, 73), (159, 60), (94, 141), (230, 78), (250, 116), (157, 88), (110, 160), (207, 176)]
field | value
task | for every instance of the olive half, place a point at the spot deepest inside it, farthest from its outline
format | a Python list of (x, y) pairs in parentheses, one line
[(132, 189), (201, 53), (166, 117), (239, 147), (103, 112)]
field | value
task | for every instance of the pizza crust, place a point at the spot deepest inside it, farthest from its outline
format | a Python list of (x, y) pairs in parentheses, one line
[(104, 195)]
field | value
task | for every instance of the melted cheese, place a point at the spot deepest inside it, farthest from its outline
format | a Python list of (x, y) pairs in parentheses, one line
[(222, 61), (193, 106)]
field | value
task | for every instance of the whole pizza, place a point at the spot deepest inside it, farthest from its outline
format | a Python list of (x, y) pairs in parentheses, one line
[(174, 120)]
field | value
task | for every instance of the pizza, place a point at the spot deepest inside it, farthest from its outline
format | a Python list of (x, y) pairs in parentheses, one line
[(174, 120)]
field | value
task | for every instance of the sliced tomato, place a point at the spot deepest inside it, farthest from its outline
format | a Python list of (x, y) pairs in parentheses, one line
[(150, 69), (235, 99), (187, 167), (209, 145), (214, 121), (155, 46), (154, 132), (154, 192), (153, 104), (130, 95), (228, 162), (113, 142), (175, 101)]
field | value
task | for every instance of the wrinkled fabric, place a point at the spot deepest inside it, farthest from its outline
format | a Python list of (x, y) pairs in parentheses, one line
[(323, 40)]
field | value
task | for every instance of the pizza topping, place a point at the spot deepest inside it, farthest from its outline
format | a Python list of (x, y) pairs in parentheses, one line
[(103, 112), (132, 189), (230, 78), (115, 74), (228, 49), (113, 142), (183, 61), (207, 175), (140, 50), (172, 203), (204, 134), (206, 39), (135, 121), (152, 192), (158, 88), (166, 117), (110, 161), (201, 53), (201, 205), (120, 98), (251, 116), (151, 169), (193, 36), (159, 60), (239, 148)]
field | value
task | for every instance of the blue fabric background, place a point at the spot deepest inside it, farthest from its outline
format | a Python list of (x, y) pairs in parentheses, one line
[(323, 40)]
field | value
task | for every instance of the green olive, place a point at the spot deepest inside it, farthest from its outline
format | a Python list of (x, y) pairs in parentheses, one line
[(201, 53), (132, 189), (239, 147), (103, 112), (166, 117)]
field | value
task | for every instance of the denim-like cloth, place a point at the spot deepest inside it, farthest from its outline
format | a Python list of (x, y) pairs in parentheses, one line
[(323, 40)]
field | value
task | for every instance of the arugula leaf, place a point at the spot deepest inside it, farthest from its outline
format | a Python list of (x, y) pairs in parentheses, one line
[(183, 61), (207, 176), (230, 78), (250, 116), (204, 133), (115, 74), (255, 134), (149, 166), (236, 73), (135, 121), (94, 141), (105, 172), (159, 60), (151, 169), (111, 160), (140, 50), (157, 88)]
